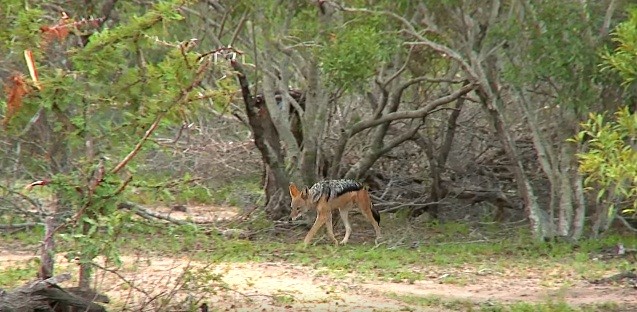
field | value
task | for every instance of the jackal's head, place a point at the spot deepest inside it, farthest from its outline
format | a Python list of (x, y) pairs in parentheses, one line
[(299, 204)]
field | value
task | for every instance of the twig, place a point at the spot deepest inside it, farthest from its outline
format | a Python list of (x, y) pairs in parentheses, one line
[(41, 284), (35, 203), (223, 51), (122, 187), (411, 204), (477, 241), (623, 220), (184, 126), (129, 283), (139, 144), (178, 285)]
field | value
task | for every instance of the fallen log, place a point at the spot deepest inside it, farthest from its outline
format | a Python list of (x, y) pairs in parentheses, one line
[(46, 295), (613, 279)]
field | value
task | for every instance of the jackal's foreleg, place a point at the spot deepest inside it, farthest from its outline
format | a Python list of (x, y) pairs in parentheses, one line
[(320, 220)]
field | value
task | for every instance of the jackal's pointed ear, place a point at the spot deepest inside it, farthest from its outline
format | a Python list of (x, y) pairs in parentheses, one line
[(305, 193), (294, 191)]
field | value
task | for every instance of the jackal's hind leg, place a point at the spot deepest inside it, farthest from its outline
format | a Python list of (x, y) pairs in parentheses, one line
[(348, 227), (365, 207)]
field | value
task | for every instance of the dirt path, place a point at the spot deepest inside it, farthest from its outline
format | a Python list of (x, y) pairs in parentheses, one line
[(280, 286)]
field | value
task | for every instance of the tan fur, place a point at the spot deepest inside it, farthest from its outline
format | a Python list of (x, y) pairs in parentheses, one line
[(344, 203)]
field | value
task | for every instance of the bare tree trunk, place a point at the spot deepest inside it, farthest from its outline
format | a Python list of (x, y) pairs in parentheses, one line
[(437, 162), (47, 251), (383, 116), (377, 145), (314, 121), (580, 204), (541, 231)]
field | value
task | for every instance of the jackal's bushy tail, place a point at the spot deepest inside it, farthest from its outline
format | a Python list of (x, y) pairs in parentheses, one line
[(375, 214)]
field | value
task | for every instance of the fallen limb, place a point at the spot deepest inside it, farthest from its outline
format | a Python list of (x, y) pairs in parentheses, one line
[(19, 226), (615, 278), (148, 214)]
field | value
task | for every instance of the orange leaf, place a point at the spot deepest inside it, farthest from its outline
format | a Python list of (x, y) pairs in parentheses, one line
[(15, 89), (58, 31)]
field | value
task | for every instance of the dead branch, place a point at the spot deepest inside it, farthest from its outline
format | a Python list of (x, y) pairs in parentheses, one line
[(148, 214), (412, 205), (19, 226), (419, 113), (615, 278)]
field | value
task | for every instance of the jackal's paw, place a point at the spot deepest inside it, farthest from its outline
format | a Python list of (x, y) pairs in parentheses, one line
[(344, 242)]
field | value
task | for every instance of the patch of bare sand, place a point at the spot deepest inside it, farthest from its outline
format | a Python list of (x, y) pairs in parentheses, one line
[(268, 286), (510, 291)]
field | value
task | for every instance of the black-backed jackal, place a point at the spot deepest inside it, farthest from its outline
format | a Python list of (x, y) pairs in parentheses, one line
[(327, 196)]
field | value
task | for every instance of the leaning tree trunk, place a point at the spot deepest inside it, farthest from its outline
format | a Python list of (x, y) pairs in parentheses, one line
[(489, 84), (266, 138), (539, 226)]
